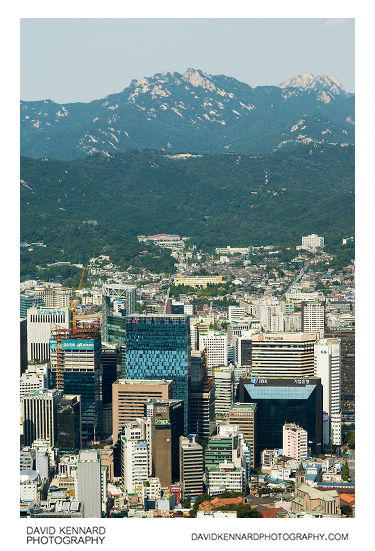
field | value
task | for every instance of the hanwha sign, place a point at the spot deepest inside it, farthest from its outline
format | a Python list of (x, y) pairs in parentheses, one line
[(260, 337)]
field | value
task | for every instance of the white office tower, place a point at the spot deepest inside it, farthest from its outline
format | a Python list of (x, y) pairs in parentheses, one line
[(89, 483), (294, 441), (40, 322), (312, 242), (313, 317), (142, 429), (292, 322), (135, 458), (283, 354), (224, 390), (277, 322), (39, 416), (267, 308), (216, 345), (327, 360), (236, 312)]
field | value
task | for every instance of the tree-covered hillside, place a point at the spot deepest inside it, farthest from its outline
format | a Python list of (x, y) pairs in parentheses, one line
[(100, 204)]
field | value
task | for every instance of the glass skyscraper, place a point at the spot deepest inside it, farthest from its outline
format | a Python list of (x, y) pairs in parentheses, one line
[(82, 372), (282, 400), (158, 347)]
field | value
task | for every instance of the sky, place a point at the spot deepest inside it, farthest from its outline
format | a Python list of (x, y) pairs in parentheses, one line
[(70, 60)]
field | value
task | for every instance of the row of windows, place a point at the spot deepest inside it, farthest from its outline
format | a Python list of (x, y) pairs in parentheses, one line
[(47, 318)]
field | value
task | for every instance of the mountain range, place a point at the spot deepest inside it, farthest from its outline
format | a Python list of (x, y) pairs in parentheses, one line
[(192, 112)]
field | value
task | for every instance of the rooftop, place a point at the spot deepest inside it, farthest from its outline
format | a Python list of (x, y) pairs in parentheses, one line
[(144, 382)]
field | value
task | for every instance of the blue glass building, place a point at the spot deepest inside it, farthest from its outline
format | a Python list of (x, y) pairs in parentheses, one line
[(284, 400), (158, 347)]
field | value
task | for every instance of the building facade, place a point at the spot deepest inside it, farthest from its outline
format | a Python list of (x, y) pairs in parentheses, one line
[(280, 400), (40, 323), (283, 354), (294, 441), (158, 347), (89, 483), (81, 374), (328, 369), (130, 397), (191, 467)]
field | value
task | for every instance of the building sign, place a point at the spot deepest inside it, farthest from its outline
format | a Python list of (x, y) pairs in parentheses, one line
[(268, 381), (51, 312), (77, 344)]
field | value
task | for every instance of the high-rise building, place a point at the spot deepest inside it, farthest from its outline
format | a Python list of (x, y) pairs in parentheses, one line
[(236, 312), (80, 373), (111, 353), (201, 397), (135, 456), (168, 425), (244, 416), (295, 441), (347, 339), (202, 416), (69, 423), (224, 390), (40, 323), (191, 467), (283, 354), (89, 483), (243, 353), (54, 297), (313, 317), (29, 301), (130, 397), (158, 347), (216, 346), (280, 399), (39, 415), (328, 369), (113, 327), (267, 308)]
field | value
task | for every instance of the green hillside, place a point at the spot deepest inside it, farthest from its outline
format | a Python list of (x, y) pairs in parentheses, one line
[(100, 204)]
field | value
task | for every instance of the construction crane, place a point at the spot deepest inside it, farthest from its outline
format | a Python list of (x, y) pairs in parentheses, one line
[(64, 333)]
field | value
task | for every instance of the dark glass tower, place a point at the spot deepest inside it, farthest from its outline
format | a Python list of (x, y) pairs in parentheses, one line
[(82, 373), (158, 347), (68, 424), (283, 400)]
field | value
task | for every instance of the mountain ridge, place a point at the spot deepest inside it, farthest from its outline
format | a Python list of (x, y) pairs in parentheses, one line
[(190, 112)]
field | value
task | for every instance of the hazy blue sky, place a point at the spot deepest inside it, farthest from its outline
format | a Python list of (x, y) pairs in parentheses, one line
[(70, 60)]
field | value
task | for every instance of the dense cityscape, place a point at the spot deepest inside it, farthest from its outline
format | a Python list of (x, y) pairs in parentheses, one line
[(225, 389)]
